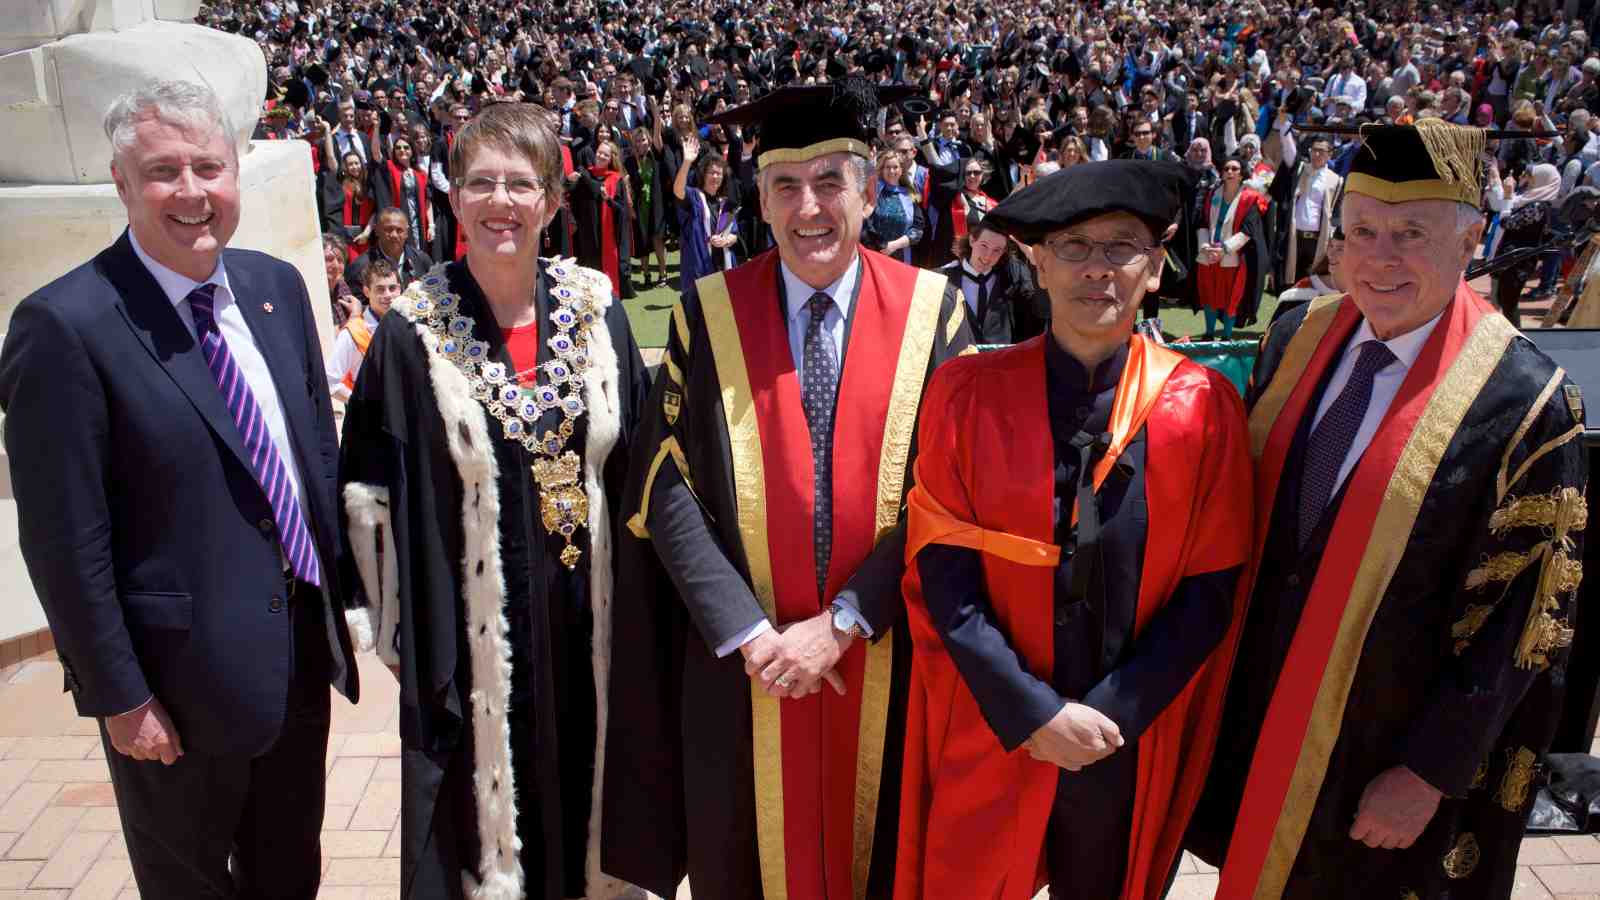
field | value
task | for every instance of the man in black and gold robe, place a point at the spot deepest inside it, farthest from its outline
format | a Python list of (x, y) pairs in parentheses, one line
[(759, 726), (1420, 509)]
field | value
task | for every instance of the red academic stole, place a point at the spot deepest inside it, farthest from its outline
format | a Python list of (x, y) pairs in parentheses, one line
[(397, 189), (818, 761), (959, 210), (973, 817), (359, 215), (1375, 518), (608, 227)]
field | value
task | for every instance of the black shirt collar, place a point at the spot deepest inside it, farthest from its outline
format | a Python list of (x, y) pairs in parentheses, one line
[(1068, 377)]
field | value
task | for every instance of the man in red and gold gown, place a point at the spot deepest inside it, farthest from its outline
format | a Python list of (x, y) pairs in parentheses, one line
[(759, 728)]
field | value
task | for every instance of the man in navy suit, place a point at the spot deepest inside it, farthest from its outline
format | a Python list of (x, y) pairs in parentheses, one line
[(173, 456)]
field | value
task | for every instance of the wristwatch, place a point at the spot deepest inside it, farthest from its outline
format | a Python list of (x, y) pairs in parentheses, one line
[(846, 621)]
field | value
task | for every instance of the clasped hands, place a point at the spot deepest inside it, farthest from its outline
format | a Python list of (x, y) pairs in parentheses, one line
[(1075, 737), (791, 661)]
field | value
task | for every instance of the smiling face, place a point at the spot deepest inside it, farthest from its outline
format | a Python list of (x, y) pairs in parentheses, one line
[(987, 248), (333, 260), (381, 291), (1093, 299), (181, 190), (502, 224), (816, 210), (1404, 260), (402, 153)]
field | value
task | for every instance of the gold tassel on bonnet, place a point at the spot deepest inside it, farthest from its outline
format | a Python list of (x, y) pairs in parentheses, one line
[(1431, 160)]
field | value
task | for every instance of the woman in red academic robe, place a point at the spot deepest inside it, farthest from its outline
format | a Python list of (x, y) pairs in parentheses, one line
[(1232, 247), (350, 205), (602, 215), (1081, 602)]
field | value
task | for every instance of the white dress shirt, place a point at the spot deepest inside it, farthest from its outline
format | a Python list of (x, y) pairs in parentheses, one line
[(241, 345), (1385, 385), (969, 285), (797, 299), (345, 358), (347, 142)]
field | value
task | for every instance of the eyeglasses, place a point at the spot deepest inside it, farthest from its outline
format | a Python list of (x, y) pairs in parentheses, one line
[(974, 173), (1145, 132), (480, 187), (1117, 253)]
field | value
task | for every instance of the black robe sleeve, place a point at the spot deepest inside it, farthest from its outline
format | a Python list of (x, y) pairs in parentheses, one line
[(1511, 630), (1013, 701)]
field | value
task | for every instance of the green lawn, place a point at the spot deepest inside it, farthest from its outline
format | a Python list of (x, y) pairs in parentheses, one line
[(650, 312)]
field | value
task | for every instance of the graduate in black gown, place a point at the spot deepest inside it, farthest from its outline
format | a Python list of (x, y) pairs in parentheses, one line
[(485, 445)]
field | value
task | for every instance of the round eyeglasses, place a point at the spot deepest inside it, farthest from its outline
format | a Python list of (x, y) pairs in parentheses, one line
[(1117, 253)]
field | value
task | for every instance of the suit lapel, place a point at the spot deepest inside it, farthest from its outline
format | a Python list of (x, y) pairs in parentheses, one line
[(151, 317)]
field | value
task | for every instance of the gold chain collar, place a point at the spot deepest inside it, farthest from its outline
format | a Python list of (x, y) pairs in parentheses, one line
[(574, 311)]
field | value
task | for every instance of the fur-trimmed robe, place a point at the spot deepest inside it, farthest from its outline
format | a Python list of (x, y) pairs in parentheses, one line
[(502, 650)]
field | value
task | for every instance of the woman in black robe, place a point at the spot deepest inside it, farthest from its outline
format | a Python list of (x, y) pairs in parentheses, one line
[(484, 448)]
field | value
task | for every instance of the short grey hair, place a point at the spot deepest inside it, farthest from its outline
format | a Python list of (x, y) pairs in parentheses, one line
[(193, 107), (1591, 67), (1467, 216)]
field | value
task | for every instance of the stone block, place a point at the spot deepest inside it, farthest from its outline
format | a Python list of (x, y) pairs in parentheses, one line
[(56, 95)]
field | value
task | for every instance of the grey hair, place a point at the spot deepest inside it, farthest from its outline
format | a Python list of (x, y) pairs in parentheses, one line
[(1467, 216), (190, 106), (1591, 66)]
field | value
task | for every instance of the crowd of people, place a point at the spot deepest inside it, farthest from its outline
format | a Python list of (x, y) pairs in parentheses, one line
[(829, 604), (994, 98)]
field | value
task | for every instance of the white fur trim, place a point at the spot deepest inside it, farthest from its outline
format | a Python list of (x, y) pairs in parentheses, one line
[(499, 872), (602, 398), (376, 625), (359, 619)]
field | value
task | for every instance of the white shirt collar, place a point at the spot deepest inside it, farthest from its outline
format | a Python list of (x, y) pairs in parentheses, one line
[(967, 267), (797, 293), (174, 285), (1406, 348)]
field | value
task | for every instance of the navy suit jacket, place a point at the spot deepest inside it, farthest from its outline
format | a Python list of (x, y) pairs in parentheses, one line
[(148, 539)]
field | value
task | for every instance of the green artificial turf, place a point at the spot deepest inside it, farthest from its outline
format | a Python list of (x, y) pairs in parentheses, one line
[(650, 312)]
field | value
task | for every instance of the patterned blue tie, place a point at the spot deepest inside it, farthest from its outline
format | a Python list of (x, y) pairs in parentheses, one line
[(819, 383), (1331, 439), (265, 462)]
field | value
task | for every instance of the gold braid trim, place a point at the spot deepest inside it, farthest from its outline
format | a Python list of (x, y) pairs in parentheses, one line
[(1513, 792), (1463, 857), (1481, 777), (1500, 567), (1464, 630), (1564, 509), (1455, 151), (1547, 629)]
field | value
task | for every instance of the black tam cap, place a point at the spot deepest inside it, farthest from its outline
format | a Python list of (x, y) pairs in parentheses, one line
[(801, 123), (1431, 160), (1153, 191)]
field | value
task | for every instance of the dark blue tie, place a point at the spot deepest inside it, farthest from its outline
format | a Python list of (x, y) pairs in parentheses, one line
[(265, 463), (1331, 439), (819, 384)]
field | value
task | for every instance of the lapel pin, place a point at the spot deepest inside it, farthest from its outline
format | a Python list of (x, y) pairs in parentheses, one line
[(267, 306)]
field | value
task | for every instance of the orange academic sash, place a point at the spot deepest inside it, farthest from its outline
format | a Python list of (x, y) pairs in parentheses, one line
[(973, 817)]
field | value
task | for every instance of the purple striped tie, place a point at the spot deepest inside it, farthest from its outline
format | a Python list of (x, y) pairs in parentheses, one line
[(265, 462)]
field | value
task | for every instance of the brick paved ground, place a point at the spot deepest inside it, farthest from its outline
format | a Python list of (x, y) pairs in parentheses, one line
[(59, 837)]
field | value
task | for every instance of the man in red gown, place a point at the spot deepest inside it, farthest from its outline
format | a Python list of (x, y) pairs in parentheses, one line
[(1079, 601)]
